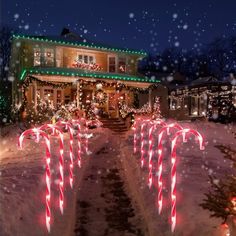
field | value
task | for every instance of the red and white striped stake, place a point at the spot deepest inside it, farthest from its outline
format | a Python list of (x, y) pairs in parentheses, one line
[(71, 131), (135, 133), (85, 133), (56, 131), (38, 133), (77, 123), (160, 158), (155, 124), (173, 169), (144, 122)]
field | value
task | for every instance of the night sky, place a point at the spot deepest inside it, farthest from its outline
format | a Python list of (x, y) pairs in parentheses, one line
[(150, 25)]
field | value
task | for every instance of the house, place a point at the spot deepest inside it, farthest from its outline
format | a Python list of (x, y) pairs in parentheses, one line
[(204, 97), (66, 69)]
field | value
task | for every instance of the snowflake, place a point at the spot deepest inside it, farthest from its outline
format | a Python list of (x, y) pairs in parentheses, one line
[(185, 27), (26, 27), (177, 44), (131, 15), (175, 15), (16, 16)]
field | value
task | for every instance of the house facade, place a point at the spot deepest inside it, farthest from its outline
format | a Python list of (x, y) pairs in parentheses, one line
[(204, 98), (67, 70)]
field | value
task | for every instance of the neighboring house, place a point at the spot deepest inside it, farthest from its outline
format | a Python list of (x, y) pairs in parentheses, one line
[(66, 69), (204, 97)]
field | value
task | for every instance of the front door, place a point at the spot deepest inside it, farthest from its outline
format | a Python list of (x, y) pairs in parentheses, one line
[(113, 105)]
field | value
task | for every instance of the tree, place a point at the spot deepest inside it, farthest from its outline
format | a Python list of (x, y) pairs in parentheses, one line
[(219, 57), (221, 199), (5, 84)]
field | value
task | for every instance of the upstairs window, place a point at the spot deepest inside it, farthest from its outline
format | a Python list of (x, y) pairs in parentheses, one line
[(49, 57), (122, 65), (44, 57), (37, 56), (86, 59), (112, 64)]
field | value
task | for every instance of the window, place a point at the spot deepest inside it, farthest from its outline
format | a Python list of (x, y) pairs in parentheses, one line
[(87, 59), (49, 57), (44, 56), (37, 56), (112, 64), (122, 65), (203, 105), (194, 105)]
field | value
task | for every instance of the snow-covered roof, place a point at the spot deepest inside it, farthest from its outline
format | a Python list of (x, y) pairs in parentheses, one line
[(204, 80), (77, 42), (84, 73)]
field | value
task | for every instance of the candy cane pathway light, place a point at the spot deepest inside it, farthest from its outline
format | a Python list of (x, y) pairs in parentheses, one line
[(143, 124), (41, 133), (86, 133), (173, 168), (54, 128), (160, 159), (135, 133), (77, 123), (67, 125), (154, 126)]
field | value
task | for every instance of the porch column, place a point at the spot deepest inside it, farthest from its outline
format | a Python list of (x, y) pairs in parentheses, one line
[(35, 95), (150, 98), (54, 97), (77, 94)]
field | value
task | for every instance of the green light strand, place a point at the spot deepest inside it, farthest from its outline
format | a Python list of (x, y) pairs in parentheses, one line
[(79, 45)]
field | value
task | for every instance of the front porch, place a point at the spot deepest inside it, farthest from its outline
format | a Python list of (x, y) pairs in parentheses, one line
[(83, 92)]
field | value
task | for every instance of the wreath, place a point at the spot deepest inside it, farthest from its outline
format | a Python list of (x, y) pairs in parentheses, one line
[(100, 97)]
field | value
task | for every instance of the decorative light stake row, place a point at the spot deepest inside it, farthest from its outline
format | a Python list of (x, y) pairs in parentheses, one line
[(39, 133), (165, 128)]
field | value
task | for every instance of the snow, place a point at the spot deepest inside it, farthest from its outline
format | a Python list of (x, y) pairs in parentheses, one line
[(22, 186)]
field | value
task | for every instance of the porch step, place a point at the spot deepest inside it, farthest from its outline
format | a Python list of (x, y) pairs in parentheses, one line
[(117, 125)]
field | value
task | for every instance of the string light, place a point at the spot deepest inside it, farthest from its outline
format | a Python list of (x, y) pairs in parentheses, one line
[(76, 44)]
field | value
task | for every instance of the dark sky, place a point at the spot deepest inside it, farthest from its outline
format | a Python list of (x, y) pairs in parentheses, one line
[(151, 25)]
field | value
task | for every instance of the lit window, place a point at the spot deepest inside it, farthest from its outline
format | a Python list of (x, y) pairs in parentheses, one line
[(86, 59), (37, 57), (122, 65), (49, 57)]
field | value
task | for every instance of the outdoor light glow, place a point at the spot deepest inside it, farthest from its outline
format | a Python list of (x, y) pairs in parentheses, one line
[(173, 169), (54, 128), (38, 132), (154, 126), (160, 160), (68, 126)]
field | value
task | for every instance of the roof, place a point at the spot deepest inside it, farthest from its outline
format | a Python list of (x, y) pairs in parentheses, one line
[(83, 73), (77, 43), (204, 80)]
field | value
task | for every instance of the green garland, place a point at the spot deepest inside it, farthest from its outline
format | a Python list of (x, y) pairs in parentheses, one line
[(31, 78)]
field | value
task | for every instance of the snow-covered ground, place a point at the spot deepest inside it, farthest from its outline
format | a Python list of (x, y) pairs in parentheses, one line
[(22, 186), (193, 168), (22, 183)]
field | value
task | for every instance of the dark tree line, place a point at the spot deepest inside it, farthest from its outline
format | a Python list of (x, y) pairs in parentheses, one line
[(5, 83), (217, 58)]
